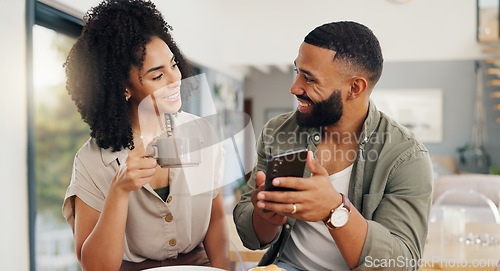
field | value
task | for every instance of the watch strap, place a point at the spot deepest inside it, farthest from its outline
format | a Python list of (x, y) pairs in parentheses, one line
[(346, 202)]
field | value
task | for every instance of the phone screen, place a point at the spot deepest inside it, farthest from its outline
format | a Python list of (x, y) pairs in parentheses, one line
[(287, 164)]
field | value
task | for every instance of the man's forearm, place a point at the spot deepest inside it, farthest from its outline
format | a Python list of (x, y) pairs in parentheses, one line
[(263, 229), (350, 238)]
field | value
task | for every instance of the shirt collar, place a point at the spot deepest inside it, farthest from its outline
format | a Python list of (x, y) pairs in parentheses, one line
[(109, 156), (371, 122)]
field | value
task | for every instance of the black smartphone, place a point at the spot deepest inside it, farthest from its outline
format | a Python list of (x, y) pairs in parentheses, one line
[(287, 164)]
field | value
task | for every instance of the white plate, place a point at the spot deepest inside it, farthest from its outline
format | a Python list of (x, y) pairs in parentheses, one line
[(255, 268), (184, 268)]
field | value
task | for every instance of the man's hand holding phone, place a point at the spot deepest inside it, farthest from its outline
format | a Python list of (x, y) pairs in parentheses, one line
[(270, 217), (266, 222), (287, 164), (313, 197)]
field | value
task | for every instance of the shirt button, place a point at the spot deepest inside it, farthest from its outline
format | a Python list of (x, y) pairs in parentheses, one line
[(169, 218), (169, 199), (316, 138), (287, 226), (172, 242)]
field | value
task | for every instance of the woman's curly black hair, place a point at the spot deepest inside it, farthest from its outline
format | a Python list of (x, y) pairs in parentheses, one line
[(112, 41)]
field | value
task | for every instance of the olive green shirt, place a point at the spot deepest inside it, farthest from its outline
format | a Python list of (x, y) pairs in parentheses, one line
[(390, 185)]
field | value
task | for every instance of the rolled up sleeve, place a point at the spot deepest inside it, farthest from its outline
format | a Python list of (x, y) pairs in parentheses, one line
[(243, 212)]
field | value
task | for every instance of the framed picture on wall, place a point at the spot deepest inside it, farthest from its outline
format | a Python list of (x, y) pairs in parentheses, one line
[(419, 110)]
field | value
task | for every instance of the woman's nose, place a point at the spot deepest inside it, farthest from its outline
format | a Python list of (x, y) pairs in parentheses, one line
[(174, 76), (174, 84)]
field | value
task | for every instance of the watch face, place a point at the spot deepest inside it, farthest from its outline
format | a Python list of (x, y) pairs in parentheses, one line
[(340, 217)]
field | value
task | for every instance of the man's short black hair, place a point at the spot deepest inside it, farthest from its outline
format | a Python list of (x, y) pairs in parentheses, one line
[(353, 43)]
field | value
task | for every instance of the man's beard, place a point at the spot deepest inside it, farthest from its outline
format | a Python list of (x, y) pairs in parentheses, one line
[(324, 113)]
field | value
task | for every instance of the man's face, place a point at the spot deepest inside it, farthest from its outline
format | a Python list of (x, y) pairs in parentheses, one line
[(320, 86)]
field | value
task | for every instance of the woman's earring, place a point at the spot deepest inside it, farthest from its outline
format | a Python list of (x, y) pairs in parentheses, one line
[(127, 96)]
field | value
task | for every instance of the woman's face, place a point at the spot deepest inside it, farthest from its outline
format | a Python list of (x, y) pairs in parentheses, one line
[(160, 76)]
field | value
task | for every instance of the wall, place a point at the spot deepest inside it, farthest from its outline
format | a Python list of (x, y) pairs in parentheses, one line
[(269, 32), (271, 90), (14, 244), (227, 35), (457, 79)]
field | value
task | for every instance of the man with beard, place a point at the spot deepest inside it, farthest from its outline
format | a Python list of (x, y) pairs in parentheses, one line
[(366, 192)]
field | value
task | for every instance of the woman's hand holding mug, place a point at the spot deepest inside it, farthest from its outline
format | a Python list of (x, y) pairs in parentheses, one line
[(137, 171)]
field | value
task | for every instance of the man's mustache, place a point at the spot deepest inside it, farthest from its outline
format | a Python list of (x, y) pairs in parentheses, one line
[(305, 98)]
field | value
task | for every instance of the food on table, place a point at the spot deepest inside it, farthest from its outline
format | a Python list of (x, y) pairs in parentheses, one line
[(271, 267)]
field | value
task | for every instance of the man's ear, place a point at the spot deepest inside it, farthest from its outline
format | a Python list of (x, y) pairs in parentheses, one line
[(358, 87)]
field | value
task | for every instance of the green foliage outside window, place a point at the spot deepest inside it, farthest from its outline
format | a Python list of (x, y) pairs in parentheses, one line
[(59, 133)]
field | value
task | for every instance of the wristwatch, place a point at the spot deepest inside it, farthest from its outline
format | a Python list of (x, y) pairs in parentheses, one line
[(339, 216)]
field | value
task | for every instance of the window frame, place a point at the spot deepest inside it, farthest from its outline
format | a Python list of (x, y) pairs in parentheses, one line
[(52, 16)]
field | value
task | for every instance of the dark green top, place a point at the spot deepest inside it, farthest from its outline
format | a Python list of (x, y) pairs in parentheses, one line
[(163, 192)]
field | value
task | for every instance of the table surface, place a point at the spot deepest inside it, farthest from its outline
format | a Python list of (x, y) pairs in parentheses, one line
[(456, 255), (185, 268)]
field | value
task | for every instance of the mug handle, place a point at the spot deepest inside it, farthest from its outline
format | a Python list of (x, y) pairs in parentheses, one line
[(152, 150)]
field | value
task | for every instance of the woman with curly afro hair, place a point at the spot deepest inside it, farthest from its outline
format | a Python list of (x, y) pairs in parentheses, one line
[(127, 212)]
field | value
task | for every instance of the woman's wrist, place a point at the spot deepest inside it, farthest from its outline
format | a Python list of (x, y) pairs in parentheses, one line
[(118, 189)]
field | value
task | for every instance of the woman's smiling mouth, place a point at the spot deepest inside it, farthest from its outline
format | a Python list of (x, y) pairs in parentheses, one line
[(173, 98)]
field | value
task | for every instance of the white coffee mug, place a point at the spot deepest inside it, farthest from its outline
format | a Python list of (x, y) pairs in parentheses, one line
[(175, 151)]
